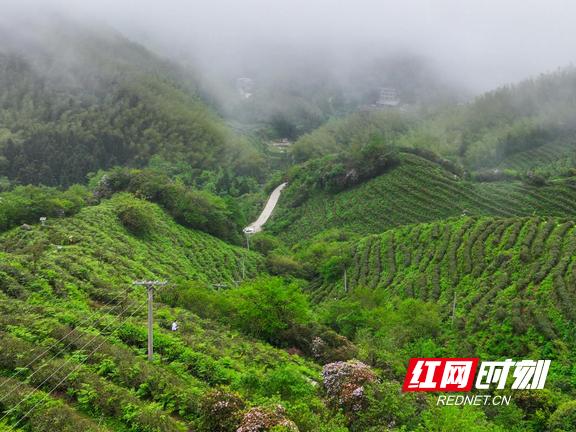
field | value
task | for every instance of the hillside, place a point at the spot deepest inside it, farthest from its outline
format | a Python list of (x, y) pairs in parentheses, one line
[(485, 262), (72, 322), (507, 122), (117, 256), (78, 98), (556, 156), (526, 126), (403, 230), (513, 281), (416, 190), (463, 287)]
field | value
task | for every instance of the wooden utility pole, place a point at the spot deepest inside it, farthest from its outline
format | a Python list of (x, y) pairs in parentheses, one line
[(150, 285)]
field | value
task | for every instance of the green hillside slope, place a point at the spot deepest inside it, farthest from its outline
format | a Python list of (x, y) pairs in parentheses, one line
[(506, 122), (557, 156), (72, 324), (95, 244), (504, 287), (531, 259), (416, 190), (524, 126)]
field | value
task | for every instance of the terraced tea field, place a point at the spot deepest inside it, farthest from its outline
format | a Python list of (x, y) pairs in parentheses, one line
[(416, 191), (510, 278), (94, 246), (552, 156), (101, 366), (73, 328)]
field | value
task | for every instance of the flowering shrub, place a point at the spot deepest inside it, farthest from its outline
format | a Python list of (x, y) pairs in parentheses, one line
[(222, 411), (344, 384), (260, 419)]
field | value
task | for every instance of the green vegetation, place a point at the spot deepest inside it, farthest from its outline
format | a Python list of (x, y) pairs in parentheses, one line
[(53, 277), (463, 247), (524, 126), (193, 208), (98, 233), (27, 204), (511, 280), (416, 190), (351, 133), (402, 233), (489, 287), (89, 99)]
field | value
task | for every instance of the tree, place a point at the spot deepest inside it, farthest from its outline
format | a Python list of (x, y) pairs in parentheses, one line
[(267, 305)]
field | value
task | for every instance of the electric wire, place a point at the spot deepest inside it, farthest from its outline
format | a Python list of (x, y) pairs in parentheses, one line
[(63, 364), (5, 395)]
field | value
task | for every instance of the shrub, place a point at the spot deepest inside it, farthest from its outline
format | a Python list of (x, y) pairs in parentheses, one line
[(264, 243), (451, 418), (317, 341), (221, 411), (26, 204), (385, 404), (268, 305), (288, 382), (494, 175), (135, 217), (195, 296), (283, 265), (345, 316), (261, 419), (344, 384), (196, 209), (533, 179)]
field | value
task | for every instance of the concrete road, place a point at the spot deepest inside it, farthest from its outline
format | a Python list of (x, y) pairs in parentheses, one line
[(256, 226)]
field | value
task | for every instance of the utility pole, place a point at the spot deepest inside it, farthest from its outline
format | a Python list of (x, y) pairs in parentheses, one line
[(150, 285), (345, 281)]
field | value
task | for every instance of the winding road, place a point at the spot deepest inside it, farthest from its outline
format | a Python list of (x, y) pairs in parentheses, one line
[(256, 226)]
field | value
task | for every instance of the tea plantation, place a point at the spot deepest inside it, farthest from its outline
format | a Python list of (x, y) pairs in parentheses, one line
[(416, 190)]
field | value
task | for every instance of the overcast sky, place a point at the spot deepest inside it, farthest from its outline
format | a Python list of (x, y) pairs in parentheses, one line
[(483, 43)]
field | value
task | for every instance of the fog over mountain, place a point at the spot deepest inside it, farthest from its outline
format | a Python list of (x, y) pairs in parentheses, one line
[(477, 44)]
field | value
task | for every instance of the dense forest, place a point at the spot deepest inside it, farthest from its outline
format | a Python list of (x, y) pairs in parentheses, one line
[(104, 102)]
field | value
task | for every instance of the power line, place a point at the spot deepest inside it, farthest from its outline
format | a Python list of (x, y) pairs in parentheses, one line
[(63, 364), (66, 377), (4, 396), (69, 333)]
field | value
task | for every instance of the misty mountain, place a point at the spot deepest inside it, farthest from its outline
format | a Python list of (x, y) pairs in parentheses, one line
[(500, 126), (75, 99), (293, 92), (518, 128)]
